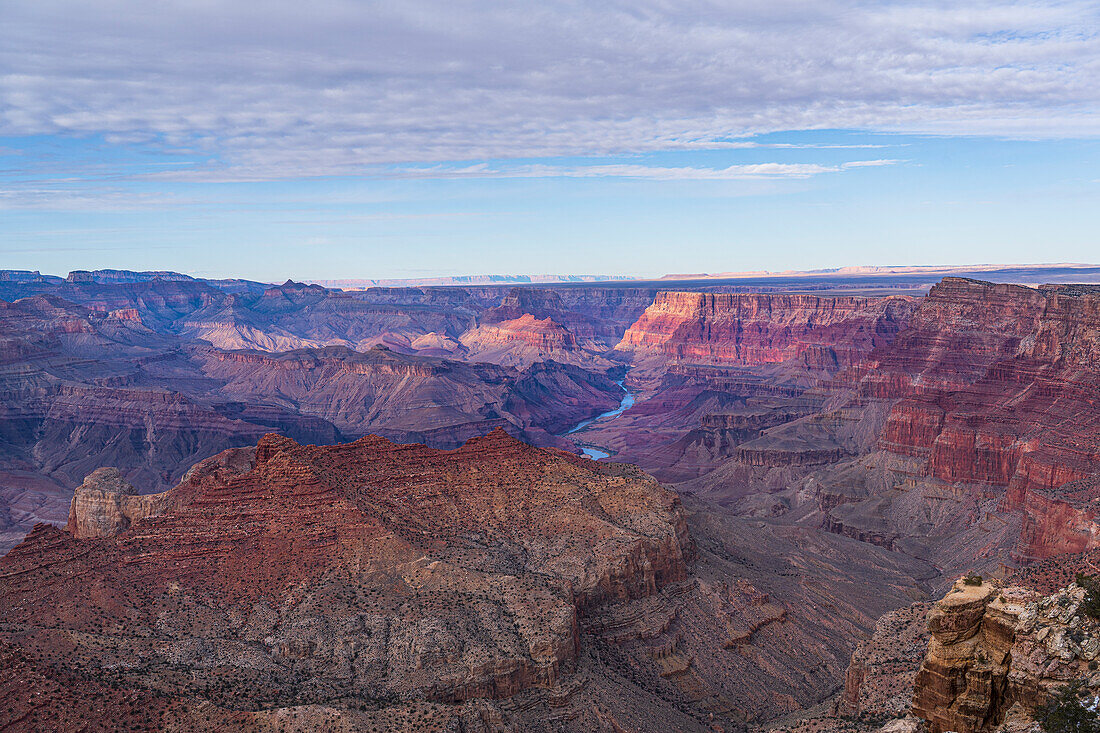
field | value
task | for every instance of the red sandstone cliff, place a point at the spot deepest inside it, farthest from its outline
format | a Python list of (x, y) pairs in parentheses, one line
[(523, 341), (998, 387), (754, 329)]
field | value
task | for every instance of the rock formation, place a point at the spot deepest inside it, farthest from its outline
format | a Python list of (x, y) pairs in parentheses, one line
[(522, 341), (997, 652), (836, 457), (754, 329), (115, 384), (370, 570), (439, 402), (597, 315), (994, 391), (972, 439), (105, 504)]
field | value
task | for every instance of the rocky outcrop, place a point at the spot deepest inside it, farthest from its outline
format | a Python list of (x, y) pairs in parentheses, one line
[(879, 678), (105, 504), (375, 583), (997, 652)]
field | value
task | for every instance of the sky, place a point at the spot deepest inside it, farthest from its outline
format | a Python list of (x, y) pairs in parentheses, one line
[(338, 139)]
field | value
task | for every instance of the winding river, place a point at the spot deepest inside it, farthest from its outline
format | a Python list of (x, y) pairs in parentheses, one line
[(626, 404)]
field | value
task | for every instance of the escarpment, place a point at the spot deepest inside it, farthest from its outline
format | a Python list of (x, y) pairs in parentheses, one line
[(754, 329), (996, 387), (971, 439), (497, 581), (700, 359)]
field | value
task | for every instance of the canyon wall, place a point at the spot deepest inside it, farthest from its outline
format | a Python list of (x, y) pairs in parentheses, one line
[(482, 588), (997, 387), (755, 329), (114, 383), (702, 361)]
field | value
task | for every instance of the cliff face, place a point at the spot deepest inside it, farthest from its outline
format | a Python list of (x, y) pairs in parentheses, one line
[(714, 328), (598, 316), (997, 652), (105, 504), (83, 387), (479, 589), (702, 360), (997, 386), (879, 678)]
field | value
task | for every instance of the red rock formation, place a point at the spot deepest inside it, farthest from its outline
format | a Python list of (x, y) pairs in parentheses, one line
[(734, 353), (85, 387), (521, 342), (998, 387), (318, 580), (754, 329), (440, 576)]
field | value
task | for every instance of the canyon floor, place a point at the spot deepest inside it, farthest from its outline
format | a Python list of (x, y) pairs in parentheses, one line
[(238, 505)]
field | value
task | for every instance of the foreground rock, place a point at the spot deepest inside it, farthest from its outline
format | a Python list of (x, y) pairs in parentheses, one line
[(995, 653)]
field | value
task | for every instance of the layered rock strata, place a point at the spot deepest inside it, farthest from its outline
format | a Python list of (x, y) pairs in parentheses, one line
[(754, 329), (494, 587), (368, 569)]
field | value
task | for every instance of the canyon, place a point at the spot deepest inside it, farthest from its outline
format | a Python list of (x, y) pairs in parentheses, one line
[(785, 479)]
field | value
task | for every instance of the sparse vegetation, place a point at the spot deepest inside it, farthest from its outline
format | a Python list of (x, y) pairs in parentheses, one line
[(1090, 605), (972, 578), (1067, 712)]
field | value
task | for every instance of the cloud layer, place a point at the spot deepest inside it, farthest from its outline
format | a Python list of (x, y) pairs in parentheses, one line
[(264, 90)]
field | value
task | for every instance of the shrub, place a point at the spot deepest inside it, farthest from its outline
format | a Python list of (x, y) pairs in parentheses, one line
[(1065, 712), (1091, 603), (972, 578)]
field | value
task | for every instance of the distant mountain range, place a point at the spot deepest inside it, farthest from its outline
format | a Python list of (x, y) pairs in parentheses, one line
[(879, 270), (356, 284), (921, 276)]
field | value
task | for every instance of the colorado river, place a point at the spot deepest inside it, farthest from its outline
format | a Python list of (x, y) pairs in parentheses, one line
[(626, 404)]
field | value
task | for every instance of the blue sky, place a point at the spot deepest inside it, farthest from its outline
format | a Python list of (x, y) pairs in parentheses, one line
[(385, 140)]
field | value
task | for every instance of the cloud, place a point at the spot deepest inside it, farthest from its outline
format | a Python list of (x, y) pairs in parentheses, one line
[(755, 171), (82, 198), (265, 90)]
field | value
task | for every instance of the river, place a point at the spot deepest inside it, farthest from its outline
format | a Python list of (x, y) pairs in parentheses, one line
[(626, 404)]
